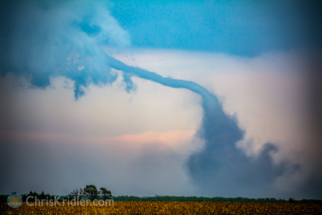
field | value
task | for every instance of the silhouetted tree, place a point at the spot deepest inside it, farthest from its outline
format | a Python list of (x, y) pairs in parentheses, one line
[(91, 191), (78, 193), (291, 200), (105, 193)]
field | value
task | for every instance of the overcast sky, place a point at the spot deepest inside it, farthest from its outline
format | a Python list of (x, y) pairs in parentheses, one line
[(185, 98)]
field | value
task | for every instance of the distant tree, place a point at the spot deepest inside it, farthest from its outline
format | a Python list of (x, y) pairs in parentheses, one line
[(36, 195), (91, 191), (291, 200), (105, 193), (33, 194), (42, 195), (78, 194)]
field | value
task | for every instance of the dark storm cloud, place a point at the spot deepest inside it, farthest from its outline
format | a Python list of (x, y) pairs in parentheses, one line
[(311, 14), (222, 169)]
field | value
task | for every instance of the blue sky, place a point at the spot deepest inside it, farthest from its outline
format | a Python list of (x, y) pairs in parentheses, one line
[(174, 98), (246, 28)]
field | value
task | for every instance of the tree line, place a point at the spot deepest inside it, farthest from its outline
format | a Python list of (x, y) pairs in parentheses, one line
[(90, 192), (212, 199)]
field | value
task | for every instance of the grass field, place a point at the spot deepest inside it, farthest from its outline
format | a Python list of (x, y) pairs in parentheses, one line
[(170, 208)]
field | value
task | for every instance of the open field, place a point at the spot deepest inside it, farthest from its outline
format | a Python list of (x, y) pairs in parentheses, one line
[(170, 208)]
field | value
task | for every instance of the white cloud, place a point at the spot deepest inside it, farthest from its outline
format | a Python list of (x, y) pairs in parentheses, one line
[(103, 111)]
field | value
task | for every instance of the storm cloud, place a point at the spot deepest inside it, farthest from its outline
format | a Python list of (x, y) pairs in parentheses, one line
[(44, 40)]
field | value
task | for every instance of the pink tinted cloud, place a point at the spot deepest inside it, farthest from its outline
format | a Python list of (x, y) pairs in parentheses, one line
[(171, 139)]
